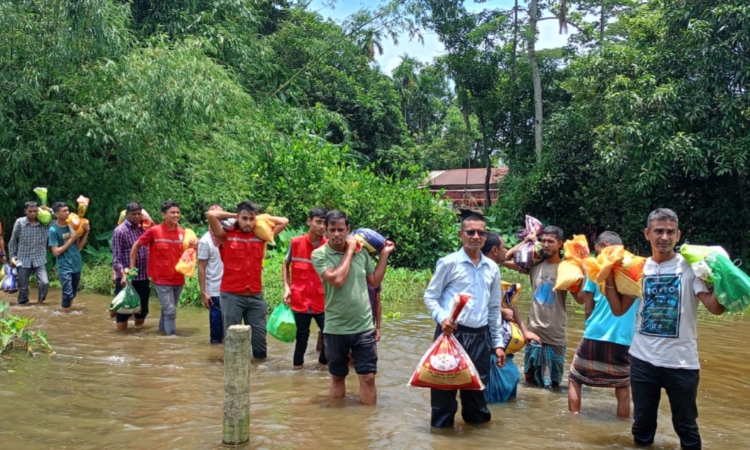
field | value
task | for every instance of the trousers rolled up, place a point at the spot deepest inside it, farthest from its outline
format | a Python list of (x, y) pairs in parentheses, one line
[(303, 322), (168, 297), (646, 383), (24, 274), (474, 409), (252, 309)]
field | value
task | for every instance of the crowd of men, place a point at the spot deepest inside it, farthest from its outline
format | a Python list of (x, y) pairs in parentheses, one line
[(629, 344)]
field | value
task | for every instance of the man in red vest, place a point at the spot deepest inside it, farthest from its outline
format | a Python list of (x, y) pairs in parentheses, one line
[(241, 293), (303, 290), (164, 242)]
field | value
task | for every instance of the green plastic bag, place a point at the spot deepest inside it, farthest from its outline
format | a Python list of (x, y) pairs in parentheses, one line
[(127, 301), (698, 253), (281, 324), (731, 285)]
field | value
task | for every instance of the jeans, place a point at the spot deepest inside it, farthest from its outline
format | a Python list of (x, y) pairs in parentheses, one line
[(69, 282), (24, 273), (168, 297), (303, 321), (646, 382), (215, 321), (251, 308), (474, 410)]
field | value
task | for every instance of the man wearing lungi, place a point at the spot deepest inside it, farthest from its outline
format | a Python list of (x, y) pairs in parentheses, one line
[(602, 359)]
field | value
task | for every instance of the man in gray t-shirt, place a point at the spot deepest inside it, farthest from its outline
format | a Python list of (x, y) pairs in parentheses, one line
[(664, 353), (210, 271)]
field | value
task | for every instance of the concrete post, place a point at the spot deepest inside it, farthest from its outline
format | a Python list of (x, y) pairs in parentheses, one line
[(237, 355)]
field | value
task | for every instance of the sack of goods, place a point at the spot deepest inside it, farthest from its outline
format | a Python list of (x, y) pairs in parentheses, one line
[(146, 221), (371, 240), (76, 223), (127, 300), (530, 253), (446, 364), (281, 324), (570, 273), (513, 340), (712, 264), (511, 292), (9, 284), (263, 228), (628, 270), (83, 205), (45, 217), (189, 258)]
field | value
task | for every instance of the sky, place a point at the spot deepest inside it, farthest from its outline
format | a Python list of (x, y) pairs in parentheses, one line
[(432, 47)]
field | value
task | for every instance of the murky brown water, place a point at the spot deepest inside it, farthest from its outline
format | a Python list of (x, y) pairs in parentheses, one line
[(141, 390)]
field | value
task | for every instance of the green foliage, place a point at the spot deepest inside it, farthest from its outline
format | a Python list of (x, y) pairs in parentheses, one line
[(16, 333)]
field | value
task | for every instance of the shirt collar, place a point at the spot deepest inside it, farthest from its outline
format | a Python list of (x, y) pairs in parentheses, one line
[(465, 258)]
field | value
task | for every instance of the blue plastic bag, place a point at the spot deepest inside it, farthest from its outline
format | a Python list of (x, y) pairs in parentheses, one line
[(503, 383), (9, 284)]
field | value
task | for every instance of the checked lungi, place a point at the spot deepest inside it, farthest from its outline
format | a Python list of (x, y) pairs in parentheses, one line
[(601, 364)]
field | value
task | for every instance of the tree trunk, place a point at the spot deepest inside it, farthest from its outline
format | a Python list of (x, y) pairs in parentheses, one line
[(488, 175), (237, 355), (601, 24), (514, 108), (538, 112)]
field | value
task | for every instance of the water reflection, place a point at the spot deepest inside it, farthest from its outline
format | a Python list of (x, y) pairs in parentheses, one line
[(104, 389)]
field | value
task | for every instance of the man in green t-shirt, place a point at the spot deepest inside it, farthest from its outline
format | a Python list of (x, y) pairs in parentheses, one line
[(346, 271), (65, 245)]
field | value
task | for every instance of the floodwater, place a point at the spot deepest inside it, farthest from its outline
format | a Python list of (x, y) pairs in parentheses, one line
[(141, 390)]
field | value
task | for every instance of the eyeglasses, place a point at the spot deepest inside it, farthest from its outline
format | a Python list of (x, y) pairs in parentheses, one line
[(472, 233)]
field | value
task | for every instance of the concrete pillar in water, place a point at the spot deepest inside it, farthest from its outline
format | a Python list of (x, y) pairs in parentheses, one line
[(237, 355)]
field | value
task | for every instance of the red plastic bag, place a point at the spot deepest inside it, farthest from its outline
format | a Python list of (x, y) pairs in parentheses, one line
[(446, 364)]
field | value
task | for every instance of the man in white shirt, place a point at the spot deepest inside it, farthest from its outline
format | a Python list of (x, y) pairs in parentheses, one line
[(210, 271), (478, 326), (664, 351)]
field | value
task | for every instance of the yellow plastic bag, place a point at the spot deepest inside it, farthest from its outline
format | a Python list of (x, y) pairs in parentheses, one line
[(83, 205), (264, 228), (186, 264), (628, 269), (76, 223), (511, 292), (570, 273), (189, 236)]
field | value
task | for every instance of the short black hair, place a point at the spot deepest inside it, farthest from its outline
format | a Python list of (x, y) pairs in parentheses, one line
[(169, 204), (336, 215), (57, 205), (662, 214), (493, 240), (248, 206), (133, 206), (319, 212), (608, 237), (556, 231), (473, 218), (28, 205)]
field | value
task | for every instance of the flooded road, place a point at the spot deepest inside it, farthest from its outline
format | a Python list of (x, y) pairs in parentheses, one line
[(140, 390)]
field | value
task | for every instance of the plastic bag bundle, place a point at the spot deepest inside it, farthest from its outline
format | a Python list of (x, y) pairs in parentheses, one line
[(146, 220), (45, 217), (570, 273), (264, 228), (83, 205), (731, 285), (187, 262), (503, 384), (127, 300), (446, 364), (627, 268), (371, 240), (281, 324), (189, 236), (76, 223), (9, 285), (530, 253), (696, 256), (511, 292), (512, 337)]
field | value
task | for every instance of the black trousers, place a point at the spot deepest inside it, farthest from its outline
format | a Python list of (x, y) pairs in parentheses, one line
[(303, 321), (474, 410), (646, 382)]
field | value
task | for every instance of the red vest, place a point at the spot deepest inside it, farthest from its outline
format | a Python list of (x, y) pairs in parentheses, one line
[(307, 289), (164, 252), (242, 255)]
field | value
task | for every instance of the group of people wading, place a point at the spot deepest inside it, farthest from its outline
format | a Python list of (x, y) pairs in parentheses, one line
[(640, 345)]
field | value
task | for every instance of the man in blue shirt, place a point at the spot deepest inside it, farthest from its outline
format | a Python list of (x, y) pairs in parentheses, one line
[(478, 326), (602, 359)]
